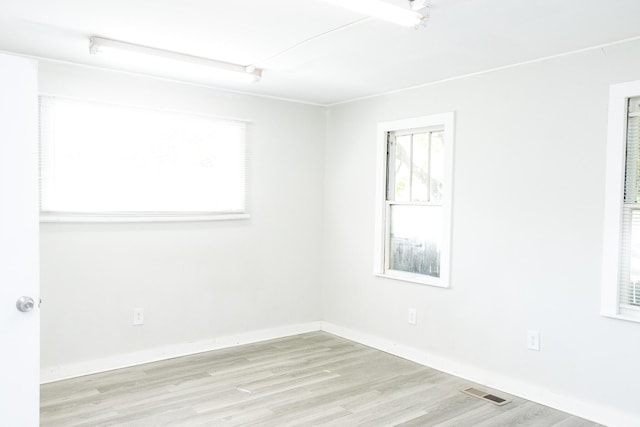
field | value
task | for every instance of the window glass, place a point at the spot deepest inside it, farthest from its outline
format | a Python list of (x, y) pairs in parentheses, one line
[(420, 165), (415, 235), (620, 297), (630, 263), (436, 170), (402, 172), (99, 158), (631, 295)]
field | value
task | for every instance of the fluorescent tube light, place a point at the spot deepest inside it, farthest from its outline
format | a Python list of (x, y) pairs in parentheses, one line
[(171, 64), (382, 10)]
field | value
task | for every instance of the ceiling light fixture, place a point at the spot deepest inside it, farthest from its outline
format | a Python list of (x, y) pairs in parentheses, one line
[(409, 17), (171, 64)]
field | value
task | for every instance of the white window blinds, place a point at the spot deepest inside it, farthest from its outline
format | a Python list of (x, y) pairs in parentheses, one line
[(629, 276), (112, 161)]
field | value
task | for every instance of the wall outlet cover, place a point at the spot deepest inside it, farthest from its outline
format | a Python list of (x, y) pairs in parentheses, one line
[(533, 340), (138, 316), (412, 316)]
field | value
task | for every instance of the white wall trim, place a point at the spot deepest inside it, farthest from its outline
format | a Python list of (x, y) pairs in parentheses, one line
[(589, 410), (71, 370)]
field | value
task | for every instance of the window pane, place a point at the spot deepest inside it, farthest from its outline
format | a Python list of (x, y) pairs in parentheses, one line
[(632, 177), (105, 158), (630, 277), (630, 294), (414, 245), (437, 166), (420, 175), (402, 168)]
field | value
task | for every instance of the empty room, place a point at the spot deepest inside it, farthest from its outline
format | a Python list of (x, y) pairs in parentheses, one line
[(320, 212)]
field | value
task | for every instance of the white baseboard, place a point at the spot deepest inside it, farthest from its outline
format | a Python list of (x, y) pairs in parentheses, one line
[(589, 410), (71, 370)]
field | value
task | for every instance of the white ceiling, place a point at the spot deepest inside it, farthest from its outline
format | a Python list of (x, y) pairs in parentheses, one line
[(367, 58)]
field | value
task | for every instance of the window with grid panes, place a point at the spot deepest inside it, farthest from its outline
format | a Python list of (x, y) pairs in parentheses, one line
[(414, 217)]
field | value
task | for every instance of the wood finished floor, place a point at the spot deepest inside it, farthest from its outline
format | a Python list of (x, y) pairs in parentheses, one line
[(305, 380)]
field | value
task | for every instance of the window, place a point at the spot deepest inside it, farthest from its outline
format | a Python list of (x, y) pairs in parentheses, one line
[(109, 162), (413, 216), (621, 255)]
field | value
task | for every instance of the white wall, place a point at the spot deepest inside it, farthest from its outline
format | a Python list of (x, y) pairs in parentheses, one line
[(196, 281), (527, 234), (528, 205)]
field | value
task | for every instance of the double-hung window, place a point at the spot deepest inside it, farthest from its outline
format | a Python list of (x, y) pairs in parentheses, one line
[(621, 254), (413, 223), (103, 162)]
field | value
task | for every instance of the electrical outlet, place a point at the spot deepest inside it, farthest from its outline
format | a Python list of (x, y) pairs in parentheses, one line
[(533, 340), (138, 316), (412, 316)]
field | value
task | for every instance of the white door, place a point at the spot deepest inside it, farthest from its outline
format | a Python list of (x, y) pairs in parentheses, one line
[(19, 276)]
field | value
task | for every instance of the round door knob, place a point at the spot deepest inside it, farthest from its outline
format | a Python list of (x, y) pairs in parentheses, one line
[(25, 304)]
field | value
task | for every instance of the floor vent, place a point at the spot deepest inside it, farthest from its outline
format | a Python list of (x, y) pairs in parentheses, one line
[(486, 396)]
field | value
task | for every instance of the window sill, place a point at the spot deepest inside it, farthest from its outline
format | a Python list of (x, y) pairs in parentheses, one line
[(68, 218), (414, 278), (622, 317)]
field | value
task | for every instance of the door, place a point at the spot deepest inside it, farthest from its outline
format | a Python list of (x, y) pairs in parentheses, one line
[(19, 276)]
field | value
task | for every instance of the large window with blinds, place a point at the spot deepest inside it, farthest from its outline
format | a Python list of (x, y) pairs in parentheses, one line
[(103, 162), (621, 263), (414, 190)]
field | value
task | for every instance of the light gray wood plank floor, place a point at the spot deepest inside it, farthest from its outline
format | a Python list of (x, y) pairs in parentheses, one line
[(305, 380)]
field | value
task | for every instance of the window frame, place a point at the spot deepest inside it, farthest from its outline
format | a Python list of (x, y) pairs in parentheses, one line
[(619, 95), (444, 122), (149, 216)]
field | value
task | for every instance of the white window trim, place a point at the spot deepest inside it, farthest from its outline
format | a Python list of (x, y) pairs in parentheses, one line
[(614, 194), (445, 121)]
